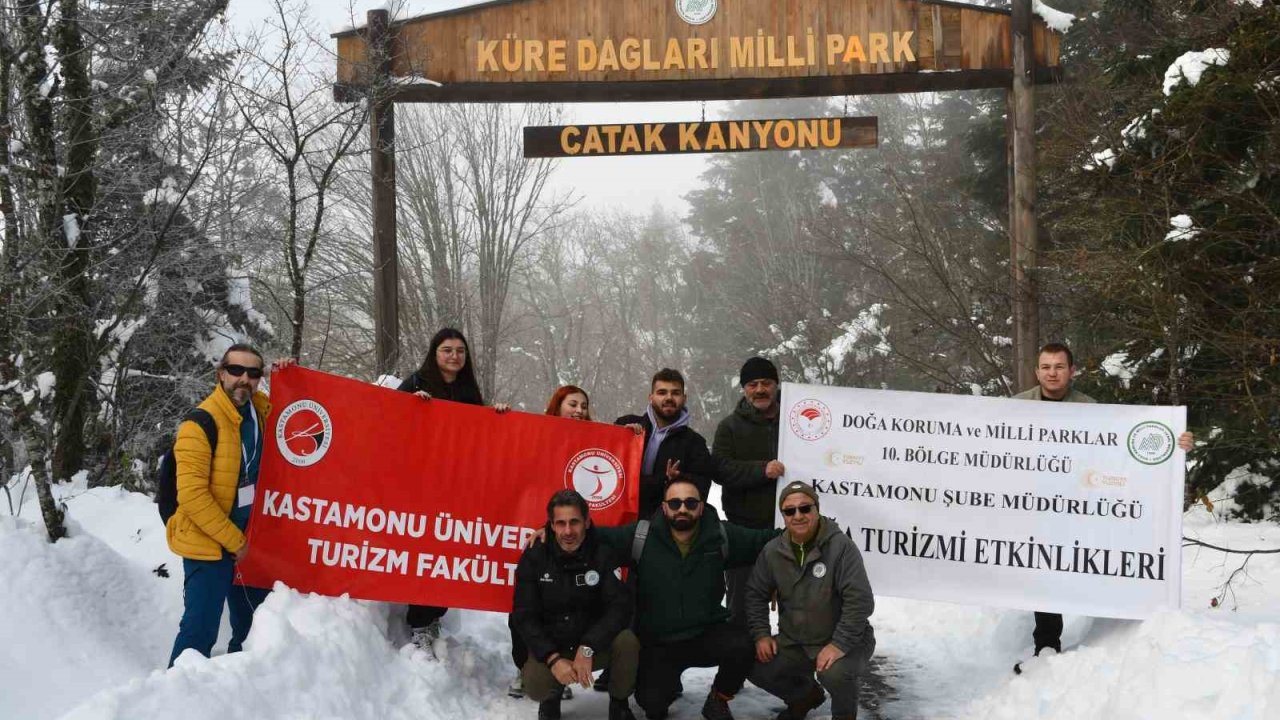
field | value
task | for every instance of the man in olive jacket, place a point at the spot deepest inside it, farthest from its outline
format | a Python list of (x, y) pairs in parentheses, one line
[(571, 609), (680, 555), (824, 601), (1055, 370), (746, 448)]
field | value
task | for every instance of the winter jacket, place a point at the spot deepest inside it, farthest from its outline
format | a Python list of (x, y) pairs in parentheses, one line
[(454, 391), (827, 599), (563, 600), (683, 444), (678, 598), (745, 442), (201, 528), (1072, 395)]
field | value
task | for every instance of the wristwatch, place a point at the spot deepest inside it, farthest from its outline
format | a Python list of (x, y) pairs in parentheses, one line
[(586, 651)]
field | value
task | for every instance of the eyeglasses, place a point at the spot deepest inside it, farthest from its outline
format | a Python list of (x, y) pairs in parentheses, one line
[(802, 509), (690, 503), (255, 373)]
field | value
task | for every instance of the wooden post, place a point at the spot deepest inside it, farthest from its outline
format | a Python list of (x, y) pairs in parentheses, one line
[(1022, 199), (382, 136)]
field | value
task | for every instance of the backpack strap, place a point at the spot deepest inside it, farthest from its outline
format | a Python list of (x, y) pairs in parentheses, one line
[(201, 417), (637, 540)]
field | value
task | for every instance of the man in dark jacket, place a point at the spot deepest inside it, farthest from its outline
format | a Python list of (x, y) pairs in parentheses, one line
[(680, 554), (824, 601), (671, 447), (572, 609), (746, 449)]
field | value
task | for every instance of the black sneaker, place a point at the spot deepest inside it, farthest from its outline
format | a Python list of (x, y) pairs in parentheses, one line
[(620, 710), (549, 709), (716, 707)]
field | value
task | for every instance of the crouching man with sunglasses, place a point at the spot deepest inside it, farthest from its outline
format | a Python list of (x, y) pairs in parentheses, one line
[(217, 453), (679, 556), (824, 601)]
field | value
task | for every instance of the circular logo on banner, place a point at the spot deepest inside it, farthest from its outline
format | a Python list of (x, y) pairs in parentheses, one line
[(819, 570), (303, 432), (696, 12), (810, 419), (592, 578), (1151, 443), (597, 476)]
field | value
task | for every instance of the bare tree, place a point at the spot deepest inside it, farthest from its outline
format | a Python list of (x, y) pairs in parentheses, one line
[(289, 109)]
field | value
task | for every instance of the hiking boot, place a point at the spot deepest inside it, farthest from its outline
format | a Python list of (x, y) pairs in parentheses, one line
[(1046, 651), (516, 688), (717, 706), (425, 638), (549, 709), (620, 710), (800, 708), (602, 683)]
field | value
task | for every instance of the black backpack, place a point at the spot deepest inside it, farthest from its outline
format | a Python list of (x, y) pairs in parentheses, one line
[(167, 475)]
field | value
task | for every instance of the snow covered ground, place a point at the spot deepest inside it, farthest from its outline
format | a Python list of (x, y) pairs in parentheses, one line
[(86, 626)]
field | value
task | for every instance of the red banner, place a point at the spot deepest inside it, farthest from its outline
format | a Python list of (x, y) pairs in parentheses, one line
[(385, 496)]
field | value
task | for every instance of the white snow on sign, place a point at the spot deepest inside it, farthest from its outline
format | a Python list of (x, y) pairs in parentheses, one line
[(1055, 19), (1191, 65)]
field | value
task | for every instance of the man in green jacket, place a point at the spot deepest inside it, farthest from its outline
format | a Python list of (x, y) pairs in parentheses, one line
[(746, 448), (824, 601), (680, 555)]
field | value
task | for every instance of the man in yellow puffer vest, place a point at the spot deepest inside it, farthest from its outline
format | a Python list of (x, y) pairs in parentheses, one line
[(215, 499)]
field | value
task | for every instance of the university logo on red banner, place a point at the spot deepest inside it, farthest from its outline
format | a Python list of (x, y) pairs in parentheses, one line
[(385, 496)]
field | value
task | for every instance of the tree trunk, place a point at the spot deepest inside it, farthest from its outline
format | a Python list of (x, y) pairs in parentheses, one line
[(73, 333)]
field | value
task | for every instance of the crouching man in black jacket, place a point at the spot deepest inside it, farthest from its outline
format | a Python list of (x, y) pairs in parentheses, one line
[(572, 611)]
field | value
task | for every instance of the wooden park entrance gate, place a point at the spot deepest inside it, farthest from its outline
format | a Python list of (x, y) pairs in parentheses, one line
[(672, 50)]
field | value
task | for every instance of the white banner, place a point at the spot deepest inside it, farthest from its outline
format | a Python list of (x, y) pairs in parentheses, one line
[(1057, 507)]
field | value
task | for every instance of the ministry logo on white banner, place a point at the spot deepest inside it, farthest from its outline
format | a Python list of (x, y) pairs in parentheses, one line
[(1058, 507)]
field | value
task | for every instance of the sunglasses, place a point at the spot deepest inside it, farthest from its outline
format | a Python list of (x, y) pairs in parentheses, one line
[(255, 373), (802, 509), (690, 503)]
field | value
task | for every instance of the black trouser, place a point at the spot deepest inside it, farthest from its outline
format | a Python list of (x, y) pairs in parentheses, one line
[(1048, 632), (736, 583), (420, 616), (790, 676), (724, 646)]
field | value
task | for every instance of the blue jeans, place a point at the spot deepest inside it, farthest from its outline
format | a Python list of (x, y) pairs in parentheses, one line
[(206, 587)]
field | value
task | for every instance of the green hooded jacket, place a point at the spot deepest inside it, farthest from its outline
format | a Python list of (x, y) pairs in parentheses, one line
[(678, 598)]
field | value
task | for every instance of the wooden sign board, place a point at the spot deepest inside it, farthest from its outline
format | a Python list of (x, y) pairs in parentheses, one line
[(580, 50), (554, 141)]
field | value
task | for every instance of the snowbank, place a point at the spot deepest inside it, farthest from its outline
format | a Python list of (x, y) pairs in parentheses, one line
[(87, 628)]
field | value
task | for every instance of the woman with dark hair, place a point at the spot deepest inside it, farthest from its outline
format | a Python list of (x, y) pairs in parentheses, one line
[(446, 373)]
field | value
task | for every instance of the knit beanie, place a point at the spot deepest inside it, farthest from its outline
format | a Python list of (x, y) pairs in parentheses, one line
[(757, 368)]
